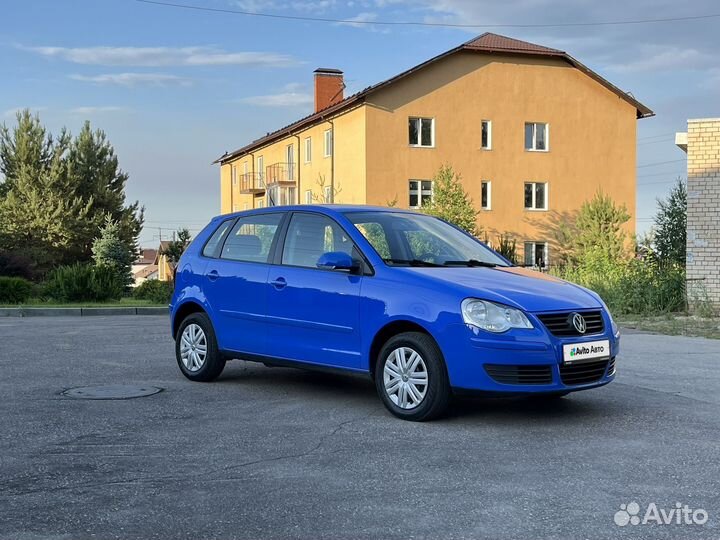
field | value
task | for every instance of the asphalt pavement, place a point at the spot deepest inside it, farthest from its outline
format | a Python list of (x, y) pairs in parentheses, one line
[(282, 453)]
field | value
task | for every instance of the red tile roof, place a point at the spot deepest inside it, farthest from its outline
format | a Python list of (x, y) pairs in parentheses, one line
[(485, 43)]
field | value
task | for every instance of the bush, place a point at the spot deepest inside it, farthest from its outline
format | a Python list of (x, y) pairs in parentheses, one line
[(632, 286), (155, 291), (84, 283), (14, 290)]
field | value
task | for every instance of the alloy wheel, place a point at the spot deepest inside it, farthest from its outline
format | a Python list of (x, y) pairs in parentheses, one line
[(405, 378), (193, 347)]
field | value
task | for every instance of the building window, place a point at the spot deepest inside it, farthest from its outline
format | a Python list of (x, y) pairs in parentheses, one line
[(486, 137), (233, 174), (260, 203), (328, 194), (421, 132), (235, 207), (536, 196), (486, 197), (308, 150), (246, 206), (245, 168), (328, 143), (421, 193), (308, 196), (536, 254), (261, 170), (537, 137)]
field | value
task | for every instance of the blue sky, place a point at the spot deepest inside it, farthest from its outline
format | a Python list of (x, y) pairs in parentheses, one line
[(175, 88)]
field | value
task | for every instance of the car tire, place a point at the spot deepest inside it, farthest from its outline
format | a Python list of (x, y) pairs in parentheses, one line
[(196, 349), (399, 376)]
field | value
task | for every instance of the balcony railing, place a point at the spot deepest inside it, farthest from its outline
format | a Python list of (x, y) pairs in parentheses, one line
[(252, 183), (281, 174)]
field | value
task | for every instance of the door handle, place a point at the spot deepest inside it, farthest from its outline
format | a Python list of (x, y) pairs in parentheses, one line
[(213, 275), (279, 283)]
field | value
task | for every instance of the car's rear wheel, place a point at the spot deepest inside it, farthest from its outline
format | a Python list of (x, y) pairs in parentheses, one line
[(410, 377), (196, 349)]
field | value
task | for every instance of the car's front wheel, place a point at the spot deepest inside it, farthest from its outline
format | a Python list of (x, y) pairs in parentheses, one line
[(410, 377), (196, 349)]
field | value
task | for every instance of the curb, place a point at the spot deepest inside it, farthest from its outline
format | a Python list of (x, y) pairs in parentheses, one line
[(81, 311)]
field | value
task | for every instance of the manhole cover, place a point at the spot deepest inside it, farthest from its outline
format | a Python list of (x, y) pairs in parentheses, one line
[(112, 391)]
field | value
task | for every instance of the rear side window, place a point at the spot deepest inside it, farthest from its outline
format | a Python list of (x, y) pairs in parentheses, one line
[(251, 238), (212, 247), (311, 235)]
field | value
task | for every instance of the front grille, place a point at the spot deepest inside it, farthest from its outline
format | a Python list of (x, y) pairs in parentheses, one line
[(583, 372), (505, 374), (560, 324)]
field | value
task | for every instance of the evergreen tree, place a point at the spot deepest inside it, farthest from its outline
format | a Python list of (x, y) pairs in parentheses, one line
[(451, 202), (671, 225), (100, 181), (110, 251), (176, 248), (41, 217)]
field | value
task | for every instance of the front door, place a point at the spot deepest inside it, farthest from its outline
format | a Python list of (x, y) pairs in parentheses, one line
[(313, 314), (236, 283)]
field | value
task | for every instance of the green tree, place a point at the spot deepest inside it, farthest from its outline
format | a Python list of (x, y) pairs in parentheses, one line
[(671, 225), (110, 251), (598, 230), (100, 182), (176, 248), (451, 202), (41, 215)]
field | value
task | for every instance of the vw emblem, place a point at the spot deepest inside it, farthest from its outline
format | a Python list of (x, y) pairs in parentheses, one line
[(578, 321)]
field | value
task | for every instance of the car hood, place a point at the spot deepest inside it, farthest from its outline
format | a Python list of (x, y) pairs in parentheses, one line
[(515, 286)]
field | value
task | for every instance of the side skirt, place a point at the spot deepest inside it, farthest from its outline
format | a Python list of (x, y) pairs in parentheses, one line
[(271, 361)]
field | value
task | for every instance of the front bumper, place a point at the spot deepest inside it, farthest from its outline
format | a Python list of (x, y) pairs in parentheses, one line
[(522, 361)]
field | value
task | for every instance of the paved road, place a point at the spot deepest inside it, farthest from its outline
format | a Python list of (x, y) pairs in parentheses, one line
[(280, 453)]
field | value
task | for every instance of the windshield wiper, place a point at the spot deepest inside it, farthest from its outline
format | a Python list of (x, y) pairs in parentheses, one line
[(470, 262), (411, 262)]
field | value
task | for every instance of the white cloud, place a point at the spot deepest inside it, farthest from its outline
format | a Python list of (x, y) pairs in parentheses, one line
[(134, 79), (666, 58), (162, 56), (358, 20), (282, 99), (11, 113), (89, 110)]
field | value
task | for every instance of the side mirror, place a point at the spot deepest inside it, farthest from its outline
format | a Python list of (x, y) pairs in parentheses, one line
[(337, 260)]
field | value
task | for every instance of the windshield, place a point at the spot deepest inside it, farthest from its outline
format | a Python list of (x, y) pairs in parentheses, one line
[(420, 240)]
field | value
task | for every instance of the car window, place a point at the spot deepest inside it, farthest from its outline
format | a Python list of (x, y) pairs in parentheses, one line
[(375, 234), (251, 238), (425, 245), (213, 245), (311, 235)]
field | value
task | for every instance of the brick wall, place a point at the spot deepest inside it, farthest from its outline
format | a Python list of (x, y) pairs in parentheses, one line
[(703, 212)]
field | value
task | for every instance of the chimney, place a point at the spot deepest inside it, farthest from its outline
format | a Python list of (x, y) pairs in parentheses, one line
[(329, 88)]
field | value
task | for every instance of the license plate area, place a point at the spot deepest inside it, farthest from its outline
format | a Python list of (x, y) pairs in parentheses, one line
[(588, 350)]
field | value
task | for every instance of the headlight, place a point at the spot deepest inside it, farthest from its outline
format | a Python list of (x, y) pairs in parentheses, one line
[(493, 317)]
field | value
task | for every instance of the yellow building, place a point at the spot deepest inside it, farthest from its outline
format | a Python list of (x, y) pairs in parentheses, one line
[(532, 131)]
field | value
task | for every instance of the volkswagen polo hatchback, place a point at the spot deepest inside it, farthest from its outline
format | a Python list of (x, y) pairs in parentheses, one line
[(411, 301)]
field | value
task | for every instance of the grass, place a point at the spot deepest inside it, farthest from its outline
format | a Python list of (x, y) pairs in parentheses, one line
[(123, 302), (673, 324)]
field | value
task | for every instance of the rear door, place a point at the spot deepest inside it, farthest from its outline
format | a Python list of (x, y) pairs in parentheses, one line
[(313, 314), (236, 283)]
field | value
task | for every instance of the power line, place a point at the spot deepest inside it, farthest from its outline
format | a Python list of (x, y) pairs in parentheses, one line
[(655, 136), (419, 23), (659, 163)]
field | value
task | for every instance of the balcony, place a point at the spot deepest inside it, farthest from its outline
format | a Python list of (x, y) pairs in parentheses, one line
[(281, 174), (252, 183)]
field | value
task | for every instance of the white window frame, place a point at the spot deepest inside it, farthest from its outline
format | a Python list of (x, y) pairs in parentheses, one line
[(420, 191), (245, 168), (308, 149), (489, 133), (328, 143), (535, 245), (235, 207), (308, 196), (489, 194), (260, 203), (246, 206), (233, 174), (328, 195), (419, 144), (534, 207), (534, 137)]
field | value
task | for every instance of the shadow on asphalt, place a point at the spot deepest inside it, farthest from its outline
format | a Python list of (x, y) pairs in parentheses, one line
[(358, 391)]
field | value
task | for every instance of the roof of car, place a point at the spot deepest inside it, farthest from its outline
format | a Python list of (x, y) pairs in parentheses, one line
[(320, 208)]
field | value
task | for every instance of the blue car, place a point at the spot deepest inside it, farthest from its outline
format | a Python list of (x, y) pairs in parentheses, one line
[(418, 305)]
